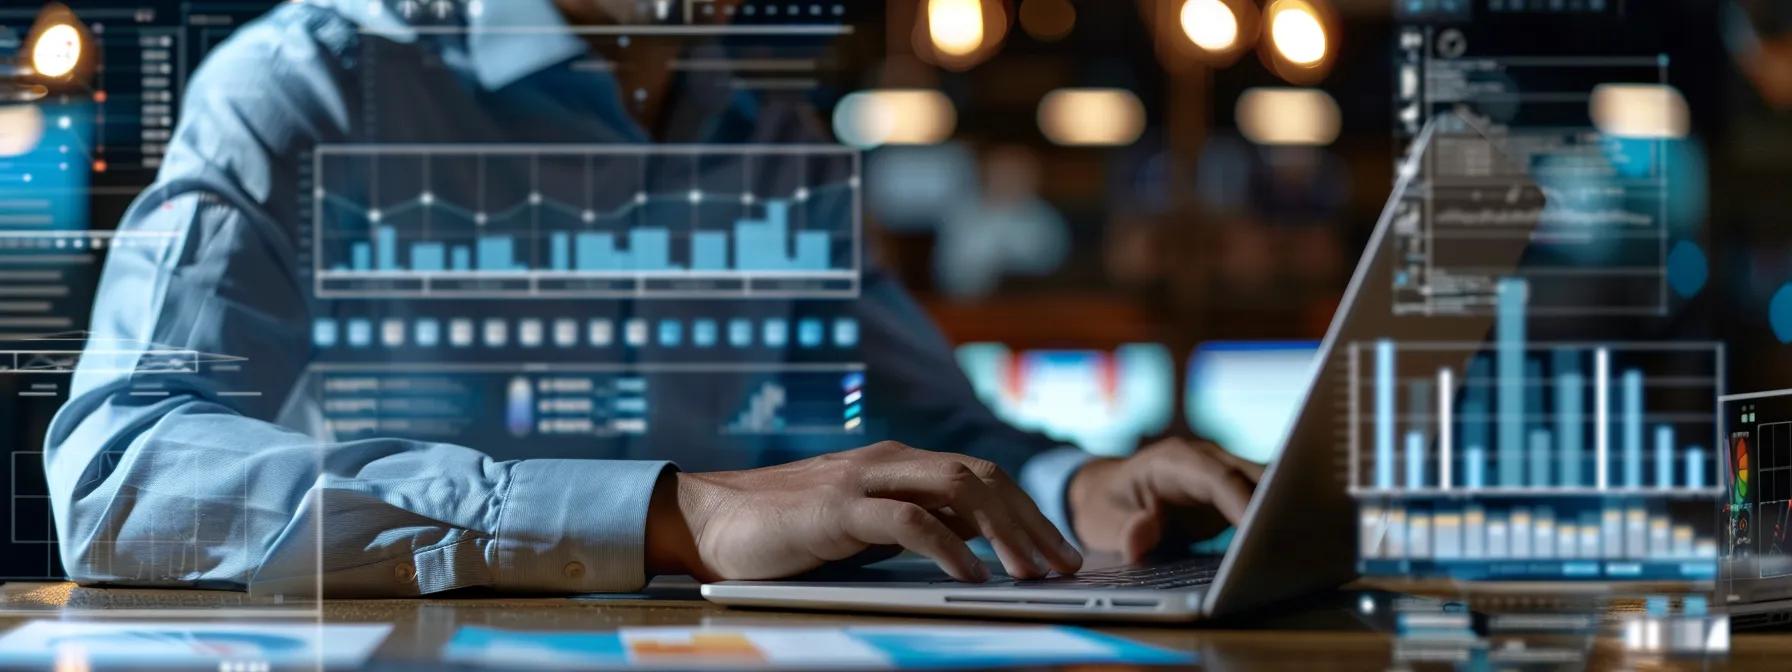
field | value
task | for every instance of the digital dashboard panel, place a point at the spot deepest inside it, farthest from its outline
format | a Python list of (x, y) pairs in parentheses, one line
[(695, 302), (1588, 128), (69, 167), (1497, 430)]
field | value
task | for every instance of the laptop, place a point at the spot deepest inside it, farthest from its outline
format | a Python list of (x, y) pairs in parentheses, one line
[(1298, 535)]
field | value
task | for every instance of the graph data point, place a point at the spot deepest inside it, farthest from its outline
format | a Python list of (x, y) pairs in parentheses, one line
[(535, 198), (427, 198), (373, 215), (640, 197), (802, 194), (479, 218), (588, 216), (696, 196)]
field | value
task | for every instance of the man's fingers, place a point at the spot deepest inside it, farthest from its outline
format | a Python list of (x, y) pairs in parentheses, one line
[(939, 483), (1193, 477), (1250, 469), (1051, 543), (1141, 533), (964, 527), (887, 521), (1231, 493)]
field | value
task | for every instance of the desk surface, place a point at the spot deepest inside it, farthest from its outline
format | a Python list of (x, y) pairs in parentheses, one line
[(1325, 635)]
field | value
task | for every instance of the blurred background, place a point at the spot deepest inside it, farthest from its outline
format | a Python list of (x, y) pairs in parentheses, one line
[(1134, 218), (1177, 181)]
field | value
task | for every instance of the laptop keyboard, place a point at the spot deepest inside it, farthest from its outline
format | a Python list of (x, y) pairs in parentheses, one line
[(1186, 573)]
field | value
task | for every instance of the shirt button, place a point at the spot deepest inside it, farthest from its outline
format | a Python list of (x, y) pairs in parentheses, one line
[(404, 572), (574, 570)]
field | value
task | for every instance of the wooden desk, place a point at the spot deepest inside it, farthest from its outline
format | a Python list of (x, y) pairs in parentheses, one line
[(1323, 636)]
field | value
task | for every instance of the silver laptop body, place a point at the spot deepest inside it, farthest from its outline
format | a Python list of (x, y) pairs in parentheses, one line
[(1298, 536)]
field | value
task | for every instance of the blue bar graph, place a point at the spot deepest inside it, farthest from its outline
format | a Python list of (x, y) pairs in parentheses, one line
[(761, 245), (1539, 460), (427, 257), (1474, 459), (1415, 459), (360, 256), (718, 221), (1644, 442), (1664, 456), (709, 251), (497, 253), (1510, 333), (1695, 467), (1630, 395), (811, 251), (1419, 397), (385, 244), (1570, 389), (650, 249), (768, 245), (597, 252), (559, 252), (1474, 432), (1542, 445), (1384, 413)]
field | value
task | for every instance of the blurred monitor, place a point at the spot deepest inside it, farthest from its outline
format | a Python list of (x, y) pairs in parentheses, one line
[(1103, 402), (1244, 394)]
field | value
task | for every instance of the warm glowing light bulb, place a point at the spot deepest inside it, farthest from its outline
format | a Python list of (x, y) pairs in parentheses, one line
[(1297, 33), (1210, 24), (57, 51), (1091, 117), (955, 25)]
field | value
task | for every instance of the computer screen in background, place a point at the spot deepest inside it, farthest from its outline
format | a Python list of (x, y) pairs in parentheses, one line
[(1240, 394), (1244, 394), (1103, 402)]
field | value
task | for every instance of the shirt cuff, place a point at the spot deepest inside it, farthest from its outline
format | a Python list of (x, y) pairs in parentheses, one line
[(1046, 478), (575, 526)]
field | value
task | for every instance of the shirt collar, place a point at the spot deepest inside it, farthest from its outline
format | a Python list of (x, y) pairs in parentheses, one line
[(508, 40)]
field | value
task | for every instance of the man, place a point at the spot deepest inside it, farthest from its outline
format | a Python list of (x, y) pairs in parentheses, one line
[(182, 484)]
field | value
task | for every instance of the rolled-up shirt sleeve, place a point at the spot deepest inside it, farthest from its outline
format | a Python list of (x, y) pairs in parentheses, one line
[(172, 477), (558, 531)]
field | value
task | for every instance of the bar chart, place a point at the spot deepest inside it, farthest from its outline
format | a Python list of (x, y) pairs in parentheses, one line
[(813, 405), (1459, 449), (671, 221)]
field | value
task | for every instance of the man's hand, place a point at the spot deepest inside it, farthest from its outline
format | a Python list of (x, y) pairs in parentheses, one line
[(1176, 491), (778, 521)]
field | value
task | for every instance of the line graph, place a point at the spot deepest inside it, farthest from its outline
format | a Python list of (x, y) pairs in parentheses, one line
[(585, 221)]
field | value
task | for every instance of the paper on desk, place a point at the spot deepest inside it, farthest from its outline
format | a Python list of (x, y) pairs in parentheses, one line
[(866, 648), (86, 644)]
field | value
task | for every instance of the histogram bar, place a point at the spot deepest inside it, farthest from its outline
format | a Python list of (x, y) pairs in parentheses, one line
[(1644, 420), (566, 221)]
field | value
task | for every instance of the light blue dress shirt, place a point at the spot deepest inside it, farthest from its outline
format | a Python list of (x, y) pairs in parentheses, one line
[(187, 480)]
